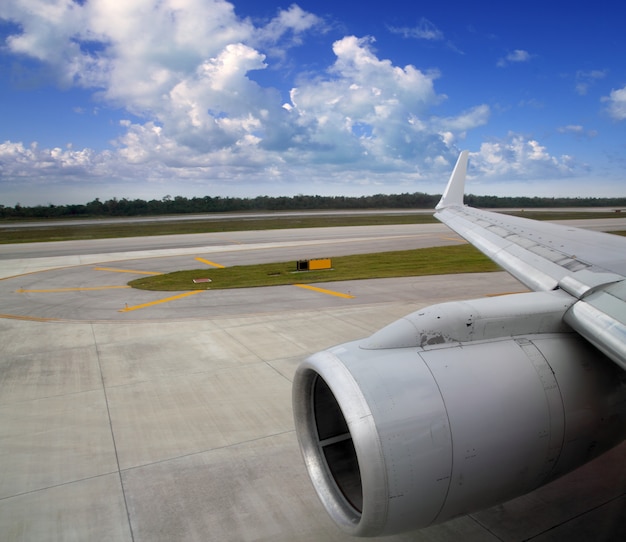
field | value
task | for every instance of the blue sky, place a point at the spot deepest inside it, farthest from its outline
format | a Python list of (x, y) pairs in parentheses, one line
[(143, 99)]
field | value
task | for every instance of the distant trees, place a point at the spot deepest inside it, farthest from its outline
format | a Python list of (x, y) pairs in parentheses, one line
[(534, 202), (216, 204)]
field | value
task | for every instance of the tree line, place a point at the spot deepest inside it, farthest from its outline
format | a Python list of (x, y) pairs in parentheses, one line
[(208, 204)]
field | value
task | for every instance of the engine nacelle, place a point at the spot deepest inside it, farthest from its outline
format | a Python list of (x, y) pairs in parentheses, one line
[(399, 438)]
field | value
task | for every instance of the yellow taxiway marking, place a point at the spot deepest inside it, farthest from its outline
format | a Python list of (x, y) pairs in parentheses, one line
[(126, 271), (458, 239), (323, 291), (213, 264), (85, 289), (29, 318), (166, 300)]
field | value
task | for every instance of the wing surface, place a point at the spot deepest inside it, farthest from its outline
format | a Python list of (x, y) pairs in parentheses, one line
[(591, 266)]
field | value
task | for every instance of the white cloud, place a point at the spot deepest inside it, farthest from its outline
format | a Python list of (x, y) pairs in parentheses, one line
[(467, 120), (424, 30), (20, 161), (183, 69), (571, 129), (518, 157), (616, 101), (585, 79), (516, 56), (577, 130), (293, 21), (363, 110)]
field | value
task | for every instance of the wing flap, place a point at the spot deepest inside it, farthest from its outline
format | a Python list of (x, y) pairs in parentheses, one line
[(600, 317)]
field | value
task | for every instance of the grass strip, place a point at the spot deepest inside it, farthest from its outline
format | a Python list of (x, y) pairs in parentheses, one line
[(47, 231), (403, 263)]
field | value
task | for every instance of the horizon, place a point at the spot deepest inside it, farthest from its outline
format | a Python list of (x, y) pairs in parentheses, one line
[(599, 202)]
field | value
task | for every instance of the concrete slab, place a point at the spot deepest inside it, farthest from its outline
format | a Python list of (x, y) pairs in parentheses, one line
[(92, 509), (32, 337), (53, 441), (190, 349), (41, 375), (172, 417)]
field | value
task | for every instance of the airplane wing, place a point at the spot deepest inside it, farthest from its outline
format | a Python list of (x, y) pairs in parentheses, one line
[(590, 266)]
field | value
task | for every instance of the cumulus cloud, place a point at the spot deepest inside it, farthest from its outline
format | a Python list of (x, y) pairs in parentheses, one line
[(181, 71), (616, 104), (368, 102), (518, 157), (18, 161)]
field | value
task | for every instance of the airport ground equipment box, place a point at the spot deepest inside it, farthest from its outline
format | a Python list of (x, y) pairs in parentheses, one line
[(314, 265)]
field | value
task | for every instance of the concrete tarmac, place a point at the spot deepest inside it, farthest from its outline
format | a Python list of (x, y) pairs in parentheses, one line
[(173, 422)]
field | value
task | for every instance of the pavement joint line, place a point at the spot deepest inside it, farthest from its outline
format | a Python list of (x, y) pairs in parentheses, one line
[(208, 262), (77, 289), (60, 484), (158, 301), (207, 450), (324, 291), (115, 447), (127, 271)]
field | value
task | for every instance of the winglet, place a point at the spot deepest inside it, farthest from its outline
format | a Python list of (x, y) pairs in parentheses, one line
[(453, 194)]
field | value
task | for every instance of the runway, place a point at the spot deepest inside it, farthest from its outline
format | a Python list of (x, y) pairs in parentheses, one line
[(173, 421)]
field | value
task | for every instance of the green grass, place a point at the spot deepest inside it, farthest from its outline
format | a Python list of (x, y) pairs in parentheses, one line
[(48, 231), (404, 263)]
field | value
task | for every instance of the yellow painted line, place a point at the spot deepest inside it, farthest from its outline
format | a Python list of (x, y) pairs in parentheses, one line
[(126, 271), (28, 318), (51, 290), (323, 291), (158, 301), (210, 263), (454, 239)]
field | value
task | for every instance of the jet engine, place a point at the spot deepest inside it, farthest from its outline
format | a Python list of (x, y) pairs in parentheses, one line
[(452, 409)]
